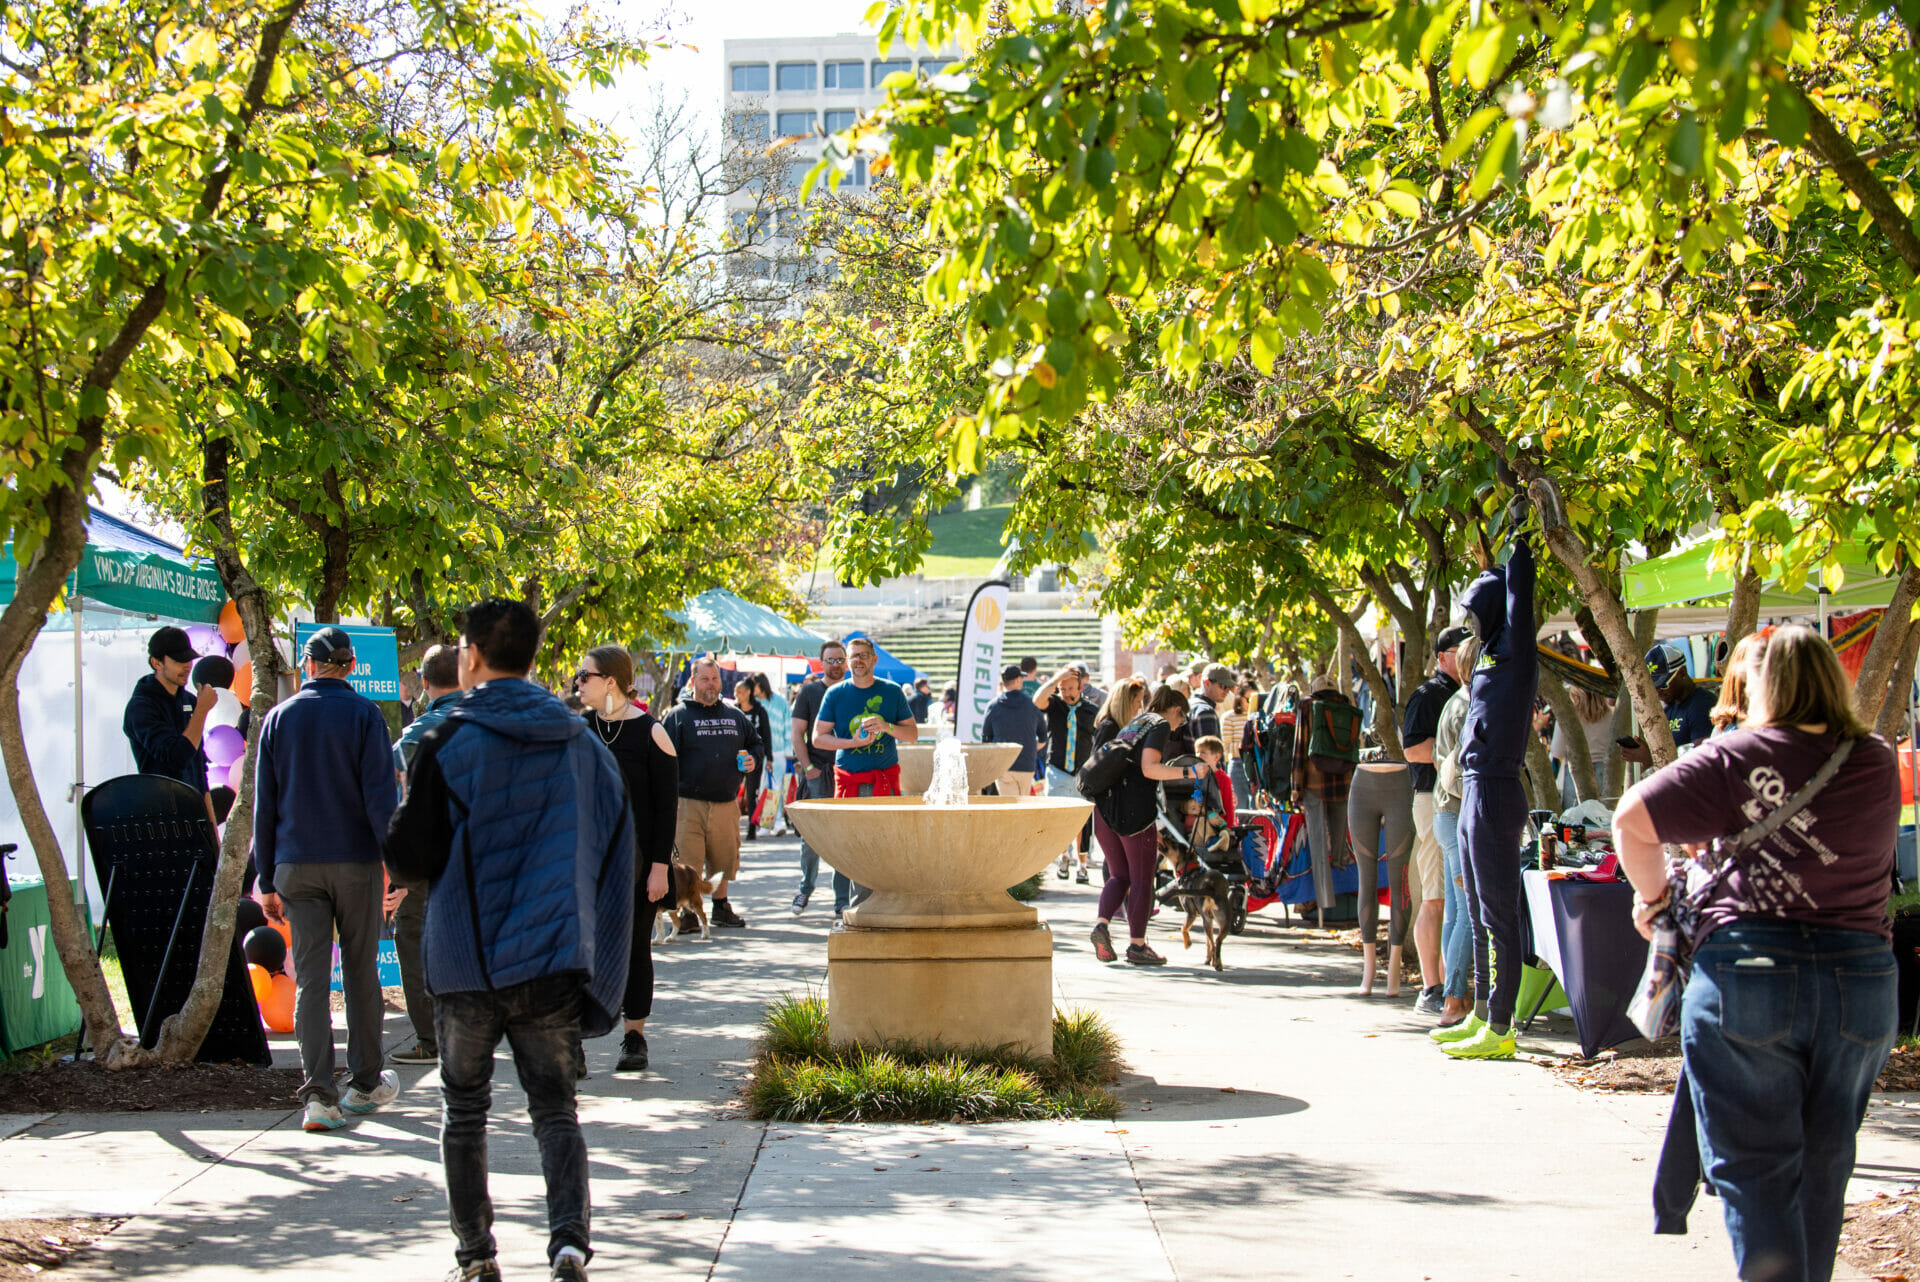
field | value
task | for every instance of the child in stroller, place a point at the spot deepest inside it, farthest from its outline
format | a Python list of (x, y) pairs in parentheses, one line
[(1198, 834)]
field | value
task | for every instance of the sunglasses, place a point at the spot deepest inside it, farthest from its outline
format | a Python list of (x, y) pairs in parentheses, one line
[(583, 674)]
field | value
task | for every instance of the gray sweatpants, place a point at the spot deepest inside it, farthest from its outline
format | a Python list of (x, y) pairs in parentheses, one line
[(321, 899), (1382, 800), (409, 928)]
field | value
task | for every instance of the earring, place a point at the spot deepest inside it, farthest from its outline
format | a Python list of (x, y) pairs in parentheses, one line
[(609, 703)]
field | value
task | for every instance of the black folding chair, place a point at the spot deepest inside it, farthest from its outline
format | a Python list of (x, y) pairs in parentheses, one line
[(155, 849)]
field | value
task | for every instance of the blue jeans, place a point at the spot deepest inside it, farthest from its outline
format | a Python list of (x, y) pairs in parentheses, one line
[(1456, 928), (541, 1022), (1783, 1028)]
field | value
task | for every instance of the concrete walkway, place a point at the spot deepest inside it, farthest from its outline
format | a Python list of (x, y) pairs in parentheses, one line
[(1275, 1128)]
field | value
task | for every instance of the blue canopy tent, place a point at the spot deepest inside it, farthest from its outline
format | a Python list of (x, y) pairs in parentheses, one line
[(885, 665)]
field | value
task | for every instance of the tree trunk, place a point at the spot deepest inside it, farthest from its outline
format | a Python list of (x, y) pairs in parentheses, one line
[(1743, 610), (1586, 784), (1893, 704), (182, 1032), (1889, 642), (1540, 785)]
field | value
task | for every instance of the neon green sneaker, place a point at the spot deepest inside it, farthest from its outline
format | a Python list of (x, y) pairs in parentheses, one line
[(1458, 1032), (1485, 1044)]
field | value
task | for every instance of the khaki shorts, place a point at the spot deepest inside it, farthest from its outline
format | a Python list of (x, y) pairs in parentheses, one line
[(707, 836), (1426, 870), (1015, 785)]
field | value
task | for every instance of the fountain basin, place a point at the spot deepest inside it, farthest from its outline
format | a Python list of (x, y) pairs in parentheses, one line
[(986, 762), (940, 867)]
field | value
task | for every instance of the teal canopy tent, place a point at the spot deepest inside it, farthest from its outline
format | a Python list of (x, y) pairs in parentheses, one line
[(717, 621), (888, 667)]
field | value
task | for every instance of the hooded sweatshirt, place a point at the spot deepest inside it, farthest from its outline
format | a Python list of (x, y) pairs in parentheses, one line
[(1499, 608), (519, 820)]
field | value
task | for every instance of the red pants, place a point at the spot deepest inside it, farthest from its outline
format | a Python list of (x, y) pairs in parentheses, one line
[(879, 783)]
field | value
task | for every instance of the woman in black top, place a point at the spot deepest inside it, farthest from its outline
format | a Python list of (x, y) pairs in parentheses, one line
[(746, 697), (651, 769)]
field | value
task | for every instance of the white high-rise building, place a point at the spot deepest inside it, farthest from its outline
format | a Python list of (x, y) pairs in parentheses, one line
[(800, 89)]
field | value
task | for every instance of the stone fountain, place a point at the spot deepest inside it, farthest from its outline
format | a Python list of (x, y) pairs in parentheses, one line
[(986, 762), (941, 952)]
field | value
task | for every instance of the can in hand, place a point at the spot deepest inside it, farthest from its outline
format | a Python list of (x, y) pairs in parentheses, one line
[(740, 761)]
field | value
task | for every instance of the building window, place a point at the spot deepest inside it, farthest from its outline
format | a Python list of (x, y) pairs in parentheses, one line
[(799, 76), (881, 70), (934, 66), (794, 124), (846, 75), (749, 77), (750, 225), (838, 122), (748, 128), (858, 178)]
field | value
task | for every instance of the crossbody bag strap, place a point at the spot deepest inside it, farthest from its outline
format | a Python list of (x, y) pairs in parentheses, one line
[(1761, 829)]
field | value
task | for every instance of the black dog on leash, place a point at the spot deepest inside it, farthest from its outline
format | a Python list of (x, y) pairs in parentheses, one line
[(1202, 893)]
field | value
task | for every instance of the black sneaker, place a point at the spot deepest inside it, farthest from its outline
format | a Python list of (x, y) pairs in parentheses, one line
[(1061, 870), (688, 922), (723, 914), (1080, 878), (799, 904), (418, 1053), (568, 1267), (487, 1270), (1141, 955), (633, 1054), (1102, 943)]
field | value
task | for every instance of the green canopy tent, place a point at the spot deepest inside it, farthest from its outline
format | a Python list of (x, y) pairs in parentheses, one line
[(719, 622), (126, 577), (1684, 577)]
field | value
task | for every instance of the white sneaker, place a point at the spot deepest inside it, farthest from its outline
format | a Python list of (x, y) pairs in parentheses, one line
[(359, 1101), (322, 1116)]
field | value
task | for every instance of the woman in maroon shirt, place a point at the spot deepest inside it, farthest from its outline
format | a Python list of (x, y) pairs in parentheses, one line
[(1789, 1010)]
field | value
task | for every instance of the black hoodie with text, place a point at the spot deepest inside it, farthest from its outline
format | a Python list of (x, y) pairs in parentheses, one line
[(1501, 691)]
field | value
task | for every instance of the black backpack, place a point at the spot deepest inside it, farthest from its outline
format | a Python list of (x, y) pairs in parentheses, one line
[(1110, 760), (1266, 753)]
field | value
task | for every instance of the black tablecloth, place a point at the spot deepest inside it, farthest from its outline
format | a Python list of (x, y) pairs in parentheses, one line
[(1600, 956)]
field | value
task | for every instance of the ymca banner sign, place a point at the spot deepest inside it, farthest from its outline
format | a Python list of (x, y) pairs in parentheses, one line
[(981, 647)]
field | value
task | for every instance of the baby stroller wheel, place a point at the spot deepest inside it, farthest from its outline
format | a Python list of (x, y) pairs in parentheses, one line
[(1237, 910)]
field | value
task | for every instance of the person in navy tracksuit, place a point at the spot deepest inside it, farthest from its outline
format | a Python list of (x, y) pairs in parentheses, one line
[(1493, 805)]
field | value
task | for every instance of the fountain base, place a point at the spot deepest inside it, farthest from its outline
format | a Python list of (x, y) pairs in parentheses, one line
[(959, 987)]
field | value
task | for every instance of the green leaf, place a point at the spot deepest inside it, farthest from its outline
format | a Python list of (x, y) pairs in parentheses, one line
[(1786, 115), (1493, 161)]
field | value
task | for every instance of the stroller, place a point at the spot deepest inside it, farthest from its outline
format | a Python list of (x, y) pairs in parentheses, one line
[(1192, 825)]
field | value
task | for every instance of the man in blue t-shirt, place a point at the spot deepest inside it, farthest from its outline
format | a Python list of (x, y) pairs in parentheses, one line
[(860, 719), (1688, 708)]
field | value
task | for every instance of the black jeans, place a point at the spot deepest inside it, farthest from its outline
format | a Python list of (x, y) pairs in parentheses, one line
[(541, 1022)]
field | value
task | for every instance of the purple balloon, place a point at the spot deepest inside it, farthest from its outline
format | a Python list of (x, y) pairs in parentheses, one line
[(224, 745), (206, 640), (235, 770)]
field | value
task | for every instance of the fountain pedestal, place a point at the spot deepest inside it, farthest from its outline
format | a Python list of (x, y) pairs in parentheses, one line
[(959, 988), (941, 953)]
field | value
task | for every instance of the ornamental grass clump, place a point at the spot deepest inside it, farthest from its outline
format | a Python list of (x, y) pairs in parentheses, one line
[(800, 1076)]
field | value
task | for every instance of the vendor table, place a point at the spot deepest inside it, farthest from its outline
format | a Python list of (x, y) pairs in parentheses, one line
[(36, 1004), (1583, 932)]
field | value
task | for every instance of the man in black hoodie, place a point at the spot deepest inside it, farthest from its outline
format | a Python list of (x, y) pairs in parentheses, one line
[(718, 747), (1493, 800)]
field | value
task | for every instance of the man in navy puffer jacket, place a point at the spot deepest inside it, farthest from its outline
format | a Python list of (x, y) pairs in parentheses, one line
[(520, 822), (1493, 799)]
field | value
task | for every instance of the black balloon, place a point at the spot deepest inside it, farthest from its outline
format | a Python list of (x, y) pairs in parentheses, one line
[(248, 916), (214, 670), (266, 949)]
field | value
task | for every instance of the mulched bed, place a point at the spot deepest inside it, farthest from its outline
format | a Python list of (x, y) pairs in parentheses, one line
[(1881, 1236), (66, 1087), (29, 1248), (1651, 1068)]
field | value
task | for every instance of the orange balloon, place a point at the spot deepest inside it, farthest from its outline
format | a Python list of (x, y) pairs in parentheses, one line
[(277, 1010), (231, 629), (262, 983), (286, 933), (243, 682)]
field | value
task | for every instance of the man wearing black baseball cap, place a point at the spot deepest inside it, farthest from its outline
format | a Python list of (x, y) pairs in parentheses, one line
[(1426, 870), (1013, 718), (164, 724), (1688, 708), (324, 792)]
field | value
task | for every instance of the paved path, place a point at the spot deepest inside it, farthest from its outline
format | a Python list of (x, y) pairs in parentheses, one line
[(1276, 1128)]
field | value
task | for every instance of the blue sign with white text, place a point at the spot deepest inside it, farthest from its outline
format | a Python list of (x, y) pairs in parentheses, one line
[(376, 657)]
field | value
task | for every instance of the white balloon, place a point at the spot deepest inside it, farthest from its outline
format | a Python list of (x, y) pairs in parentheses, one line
[(226, 709), (239, 655)]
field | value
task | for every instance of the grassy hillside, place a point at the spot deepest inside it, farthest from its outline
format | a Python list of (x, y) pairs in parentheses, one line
[(965, 542)]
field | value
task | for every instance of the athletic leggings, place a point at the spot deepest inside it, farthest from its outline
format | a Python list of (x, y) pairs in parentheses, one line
[(1130, 867), (638, 1002), (1382, 800), (1493, 811)]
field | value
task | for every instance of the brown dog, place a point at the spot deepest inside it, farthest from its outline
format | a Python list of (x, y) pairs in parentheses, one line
[(686, 891), (1202, 892)]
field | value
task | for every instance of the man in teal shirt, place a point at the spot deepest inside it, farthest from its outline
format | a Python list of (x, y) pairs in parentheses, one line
[(860, 720)]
